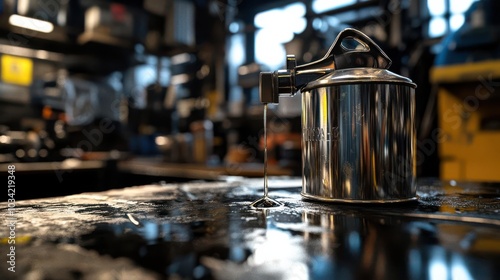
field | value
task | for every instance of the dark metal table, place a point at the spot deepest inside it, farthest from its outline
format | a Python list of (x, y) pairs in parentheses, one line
[(205, 230)]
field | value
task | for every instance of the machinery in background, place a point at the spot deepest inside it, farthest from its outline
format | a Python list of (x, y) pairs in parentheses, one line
[(170, 118), (56, 115)]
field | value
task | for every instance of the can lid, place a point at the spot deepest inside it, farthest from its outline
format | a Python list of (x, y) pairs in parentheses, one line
[(358, 76)]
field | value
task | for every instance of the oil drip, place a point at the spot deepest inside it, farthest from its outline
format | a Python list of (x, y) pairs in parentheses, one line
[(265, 201)]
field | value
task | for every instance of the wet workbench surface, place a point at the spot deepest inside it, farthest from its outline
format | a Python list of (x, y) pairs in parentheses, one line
[(206, 230)]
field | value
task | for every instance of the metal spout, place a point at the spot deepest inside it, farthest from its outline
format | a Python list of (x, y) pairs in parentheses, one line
[(289, 81)]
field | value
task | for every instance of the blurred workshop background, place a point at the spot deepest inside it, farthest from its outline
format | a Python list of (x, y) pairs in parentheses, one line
[(99, 94)]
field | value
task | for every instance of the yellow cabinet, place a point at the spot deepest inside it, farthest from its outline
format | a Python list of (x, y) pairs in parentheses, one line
[(468, 101)]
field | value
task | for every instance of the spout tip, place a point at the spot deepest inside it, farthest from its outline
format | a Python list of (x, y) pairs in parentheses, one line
[(266, 203)]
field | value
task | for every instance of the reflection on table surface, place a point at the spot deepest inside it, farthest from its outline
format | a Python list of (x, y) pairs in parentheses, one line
[(205, 230)]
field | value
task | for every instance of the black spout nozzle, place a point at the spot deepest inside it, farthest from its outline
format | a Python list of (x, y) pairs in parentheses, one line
[(266, 88), (274, 84)]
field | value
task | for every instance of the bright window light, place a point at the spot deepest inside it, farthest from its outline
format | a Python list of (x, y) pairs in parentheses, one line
[(268, 51), (460, 6), (456, 21), (436, 7), (31, 23), (269, 40), (437, 27), (237, 50), (320, 6), (298, 25), (295, 10), (268, 18)]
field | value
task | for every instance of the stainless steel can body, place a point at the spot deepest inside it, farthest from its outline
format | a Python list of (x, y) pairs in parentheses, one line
[(359, 142)]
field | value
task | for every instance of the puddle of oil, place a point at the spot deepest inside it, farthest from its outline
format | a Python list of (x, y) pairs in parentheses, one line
[(265, 202)]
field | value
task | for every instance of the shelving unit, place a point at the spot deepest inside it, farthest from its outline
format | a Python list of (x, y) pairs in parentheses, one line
[(94, 52)]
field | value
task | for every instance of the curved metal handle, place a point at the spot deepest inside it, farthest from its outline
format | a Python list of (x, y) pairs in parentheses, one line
[(366, 54)]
